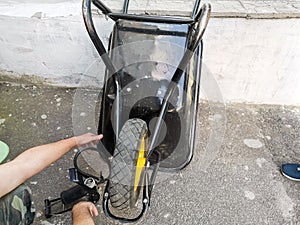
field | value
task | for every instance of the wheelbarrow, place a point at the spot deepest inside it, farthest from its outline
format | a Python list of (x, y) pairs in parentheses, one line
[(149, 105)]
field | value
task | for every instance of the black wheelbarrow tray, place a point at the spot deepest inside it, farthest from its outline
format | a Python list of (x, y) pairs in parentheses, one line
[(149, 105)]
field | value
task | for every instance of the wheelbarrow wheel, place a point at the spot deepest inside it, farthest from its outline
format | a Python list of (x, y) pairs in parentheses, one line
[(127, 165)]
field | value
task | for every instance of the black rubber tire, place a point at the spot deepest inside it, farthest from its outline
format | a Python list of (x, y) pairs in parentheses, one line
[(123, 163)]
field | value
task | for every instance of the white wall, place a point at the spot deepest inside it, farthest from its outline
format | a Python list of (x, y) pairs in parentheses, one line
[(256, 60), (251, 60), (47, 40)]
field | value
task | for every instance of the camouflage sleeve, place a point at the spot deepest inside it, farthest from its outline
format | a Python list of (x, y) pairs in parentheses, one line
[(17, 208)]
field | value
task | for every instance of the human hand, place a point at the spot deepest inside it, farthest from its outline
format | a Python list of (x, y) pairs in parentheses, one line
[(83, 207), (87, 139)]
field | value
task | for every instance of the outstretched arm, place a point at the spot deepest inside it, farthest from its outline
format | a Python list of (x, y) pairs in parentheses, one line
[(34, 160)]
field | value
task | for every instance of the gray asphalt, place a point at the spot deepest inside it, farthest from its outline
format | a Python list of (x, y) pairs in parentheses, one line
[(234, 177)]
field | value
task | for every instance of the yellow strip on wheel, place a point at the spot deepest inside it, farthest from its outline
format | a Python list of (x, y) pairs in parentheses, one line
[(140, 165)]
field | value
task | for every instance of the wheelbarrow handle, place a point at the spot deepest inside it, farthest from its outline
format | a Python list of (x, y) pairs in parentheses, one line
[(88, 20), (201, 21), (197, 29)]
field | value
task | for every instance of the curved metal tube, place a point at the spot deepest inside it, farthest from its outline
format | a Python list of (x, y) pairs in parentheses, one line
[(201, 20), (88, 20), (87, 16), (201, 24), (146, 203), (195, 9)]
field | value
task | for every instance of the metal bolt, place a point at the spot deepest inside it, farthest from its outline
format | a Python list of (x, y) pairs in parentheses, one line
[(90, 182)]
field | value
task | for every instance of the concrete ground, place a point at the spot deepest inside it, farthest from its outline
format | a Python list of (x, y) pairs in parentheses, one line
[(234, 177)]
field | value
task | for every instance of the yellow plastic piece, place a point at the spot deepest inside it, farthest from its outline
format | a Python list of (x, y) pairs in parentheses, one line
[(140, 165)]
